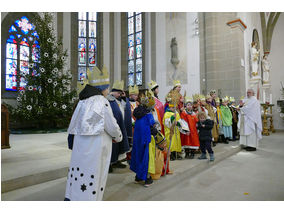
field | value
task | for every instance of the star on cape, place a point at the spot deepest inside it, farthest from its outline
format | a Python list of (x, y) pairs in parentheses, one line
[(83, 187)]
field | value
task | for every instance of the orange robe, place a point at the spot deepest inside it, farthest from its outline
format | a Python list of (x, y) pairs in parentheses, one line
[(192, 140)]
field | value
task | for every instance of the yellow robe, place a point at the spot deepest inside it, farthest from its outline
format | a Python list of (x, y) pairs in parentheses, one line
[(176, 142), (152, 146)]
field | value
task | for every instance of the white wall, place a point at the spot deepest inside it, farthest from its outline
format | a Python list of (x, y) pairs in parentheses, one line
[(191, 56), (276, 58)]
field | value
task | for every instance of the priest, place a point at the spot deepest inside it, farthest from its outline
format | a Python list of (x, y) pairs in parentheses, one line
[(250, 123)]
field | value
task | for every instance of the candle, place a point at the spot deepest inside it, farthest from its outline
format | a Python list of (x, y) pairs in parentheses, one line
[(263, 96), (270, 99)]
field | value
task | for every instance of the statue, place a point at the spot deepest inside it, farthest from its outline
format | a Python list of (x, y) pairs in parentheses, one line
[(266, 69), (254, 59), (174, 58)]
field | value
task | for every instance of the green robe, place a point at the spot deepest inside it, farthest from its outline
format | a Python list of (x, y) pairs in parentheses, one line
[(226, 116)]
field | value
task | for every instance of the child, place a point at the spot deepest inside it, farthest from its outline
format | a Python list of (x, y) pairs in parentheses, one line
[(144, 128), (205, 136), (219, 121), (235, 116), (226, 120), (190, 142)]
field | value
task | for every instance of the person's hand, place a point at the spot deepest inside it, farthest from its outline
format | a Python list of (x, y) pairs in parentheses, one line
[(182, 109), (203, 125)]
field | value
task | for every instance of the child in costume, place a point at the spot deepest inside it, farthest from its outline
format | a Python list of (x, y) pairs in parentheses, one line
[(212, 114), (219, 121), (173, 125), (226, 120), (190, 142), (141, 158), (235, 118), (133, 96), (205, 136)]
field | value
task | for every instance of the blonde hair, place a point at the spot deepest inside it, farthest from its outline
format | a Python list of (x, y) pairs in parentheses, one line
[(201, 114)]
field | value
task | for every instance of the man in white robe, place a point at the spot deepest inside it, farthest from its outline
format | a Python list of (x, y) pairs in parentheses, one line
[(250, 124), (95, 129)]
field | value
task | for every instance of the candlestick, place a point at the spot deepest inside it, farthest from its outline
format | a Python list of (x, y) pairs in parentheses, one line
[(263, 96), (270, 99)]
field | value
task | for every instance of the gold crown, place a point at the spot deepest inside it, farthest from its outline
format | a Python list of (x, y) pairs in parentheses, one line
[(232, 99), (133, 90), (195, 97), (97, 77), (208, 96), (242, 98), (152, 84), (188, 99), (119, 85), (148, 99), (202, 97), (226, 98), (176, 83)]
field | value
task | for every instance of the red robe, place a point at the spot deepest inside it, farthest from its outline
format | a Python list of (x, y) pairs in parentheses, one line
[(192, 140)]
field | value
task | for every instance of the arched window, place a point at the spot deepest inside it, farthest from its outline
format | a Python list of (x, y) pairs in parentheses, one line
[(135, 40), (87, 42), (22, 51)]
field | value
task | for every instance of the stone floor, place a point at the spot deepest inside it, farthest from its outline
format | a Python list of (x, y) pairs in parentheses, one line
[(233, 174)]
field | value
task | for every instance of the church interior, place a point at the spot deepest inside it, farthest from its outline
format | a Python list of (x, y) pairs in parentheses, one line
[(203, 50), (47, 57)]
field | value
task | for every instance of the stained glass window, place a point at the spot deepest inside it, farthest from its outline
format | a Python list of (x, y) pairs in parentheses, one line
[(22, 49), (87, 42), (135, 48)]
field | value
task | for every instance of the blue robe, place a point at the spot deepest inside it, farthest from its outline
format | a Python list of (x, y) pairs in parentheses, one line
[(125, 127), (140, 150)]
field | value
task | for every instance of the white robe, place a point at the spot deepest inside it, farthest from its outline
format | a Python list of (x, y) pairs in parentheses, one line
[(94, 127), (250, 123)]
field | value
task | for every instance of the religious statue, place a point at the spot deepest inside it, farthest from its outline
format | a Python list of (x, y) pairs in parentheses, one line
[(174, 58), (266, 69), (254, 59)]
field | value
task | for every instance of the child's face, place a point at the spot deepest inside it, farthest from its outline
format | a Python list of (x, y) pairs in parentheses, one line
[(225, 103), (172, 109), (202, 118), (189, 106)]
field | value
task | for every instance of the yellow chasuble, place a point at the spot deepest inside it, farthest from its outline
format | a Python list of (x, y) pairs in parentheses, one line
[(176, 142)]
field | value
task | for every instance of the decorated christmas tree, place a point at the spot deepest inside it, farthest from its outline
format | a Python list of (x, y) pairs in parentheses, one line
[(47, 100)]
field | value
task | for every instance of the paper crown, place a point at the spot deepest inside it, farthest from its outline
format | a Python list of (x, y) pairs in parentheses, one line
[(81, 85), (213, 91), (208, 96), (195, 97), (188, 99), (118, 85), (176, 83), (148, 99), (226, 98), (217, 100), (152, 84), (202, 97), (232, 99), (242, 98), (97, 77), (133, 90)]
